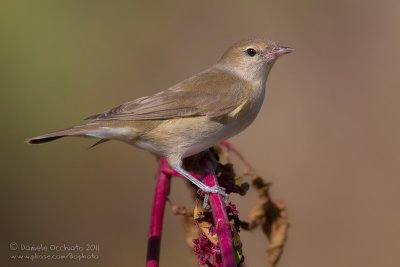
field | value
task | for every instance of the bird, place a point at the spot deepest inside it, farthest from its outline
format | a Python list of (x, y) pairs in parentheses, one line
[(193, 115)]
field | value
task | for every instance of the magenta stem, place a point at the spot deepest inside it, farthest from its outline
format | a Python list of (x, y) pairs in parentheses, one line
[(157, 214), (221, 222)]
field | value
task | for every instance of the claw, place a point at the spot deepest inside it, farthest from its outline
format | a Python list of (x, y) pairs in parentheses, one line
[(205, 201), (213, 190), (216, 190)]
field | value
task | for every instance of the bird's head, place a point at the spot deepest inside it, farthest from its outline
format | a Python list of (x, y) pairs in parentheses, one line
[(252, 59)]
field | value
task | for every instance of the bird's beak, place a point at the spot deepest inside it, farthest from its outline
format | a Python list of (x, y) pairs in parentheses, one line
[(281, 50)]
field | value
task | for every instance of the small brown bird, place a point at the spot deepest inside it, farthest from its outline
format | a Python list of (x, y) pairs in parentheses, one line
[(192, 115)]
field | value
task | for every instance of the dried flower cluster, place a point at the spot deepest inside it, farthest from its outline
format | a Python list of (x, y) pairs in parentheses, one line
[(271, 216), (206, 246)]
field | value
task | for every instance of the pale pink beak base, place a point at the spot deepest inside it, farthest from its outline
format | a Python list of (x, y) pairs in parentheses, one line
[(282, 50)]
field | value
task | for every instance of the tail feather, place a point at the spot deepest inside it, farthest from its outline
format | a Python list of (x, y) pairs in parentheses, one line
[(101, 141), (54, 136), (41, 140), (104, 132)]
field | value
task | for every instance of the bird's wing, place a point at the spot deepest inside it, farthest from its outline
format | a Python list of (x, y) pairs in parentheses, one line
[(212, 93)]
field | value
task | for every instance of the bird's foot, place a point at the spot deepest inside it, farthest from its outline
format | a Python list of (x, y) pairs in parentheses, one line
[(213, 190)]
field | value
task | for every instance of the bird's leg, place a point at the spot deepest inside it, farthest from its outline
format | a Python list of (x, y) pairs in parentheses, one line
[(207, 189)]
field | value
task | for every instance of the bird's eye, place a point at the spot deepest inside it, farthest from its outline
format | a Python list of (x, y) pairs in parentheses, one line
[(251, 52)]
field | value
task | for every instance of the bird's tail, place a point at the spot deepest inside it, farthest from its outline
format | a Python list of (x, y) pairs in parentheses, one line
[(74, 131)]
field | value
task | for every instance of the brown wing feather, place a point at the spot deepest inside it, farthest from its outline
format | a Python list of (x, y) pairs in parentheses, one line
[(211, 93)]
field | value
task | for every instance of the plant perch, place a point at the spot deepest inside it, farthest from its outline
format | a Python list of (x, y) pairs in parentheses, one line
[(214, 235)]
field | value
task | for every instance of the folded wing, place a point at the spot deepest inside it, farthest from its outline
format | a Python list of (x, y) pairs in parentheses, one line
[(212, 93)]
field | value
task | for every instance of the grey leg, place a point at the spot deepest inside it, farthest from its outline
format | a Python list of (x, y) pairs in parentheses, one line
[(199, 184), (205, 201)]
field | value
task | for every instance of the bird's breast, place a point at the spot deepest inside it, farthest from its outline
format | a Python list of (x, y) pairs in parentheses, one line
[(245, 114)]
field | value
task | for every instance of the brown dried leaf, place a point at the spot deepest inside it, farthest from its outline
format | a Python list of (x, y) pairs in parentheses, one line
[(191, 230), (204, 225), (273, 219), (277, 234), (257, 215)]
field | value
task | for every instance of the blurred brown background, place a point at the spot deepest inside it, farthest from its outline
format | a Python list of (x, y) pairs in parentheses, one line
[(327, 136)]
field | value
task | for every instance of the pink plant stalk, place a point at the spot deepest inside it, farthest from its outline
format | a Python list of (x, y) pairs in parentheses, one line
[(223, 227), (157, 214)]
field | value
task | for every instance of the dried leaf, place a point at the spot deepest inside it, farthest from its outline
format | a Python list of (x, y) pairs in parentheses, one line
[(278, 232), (257, 215), (237, 244), (205, 226), (191, 230), (273, 219)]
